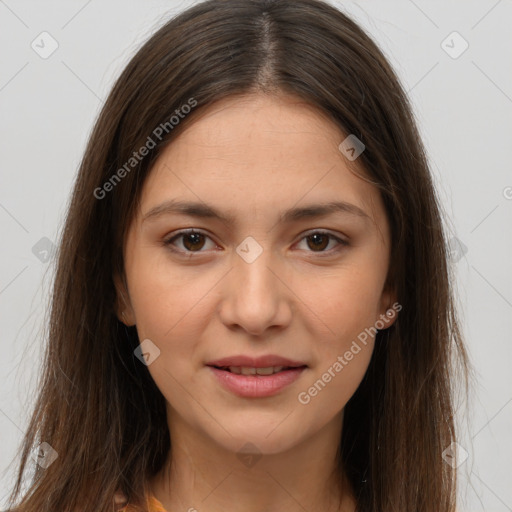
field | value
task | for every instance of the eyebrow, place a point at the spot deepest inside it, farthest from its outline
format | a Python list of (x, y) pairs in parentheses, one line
[(205, 211)]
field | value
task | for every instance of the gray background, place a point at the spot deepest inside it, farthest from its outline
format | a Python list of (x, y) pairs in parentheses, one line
[(463, 103)]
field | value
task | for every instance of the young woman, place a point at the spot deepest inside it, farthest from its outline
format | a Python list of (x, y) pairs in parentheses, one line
[(252, 308)]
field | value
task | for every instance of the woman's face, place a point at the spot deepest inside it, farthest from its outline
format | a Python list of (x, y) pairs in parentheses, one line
[(279, 279)]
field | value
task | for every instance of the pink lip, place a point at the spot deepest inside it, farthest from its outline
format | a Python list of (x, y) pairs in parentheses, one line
[(255, 362), (257, 386)]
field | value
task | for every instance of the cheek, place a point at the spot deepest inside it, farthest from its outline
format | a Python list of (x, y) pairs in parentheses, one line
[(346, 306), (172, 306), (162, 296), (169, 308), (345, 302), (336, 381)]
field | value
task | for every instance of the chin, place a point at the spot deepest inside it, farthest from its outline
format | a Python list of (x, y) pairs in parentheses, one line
[(257, 445), (260, 437)]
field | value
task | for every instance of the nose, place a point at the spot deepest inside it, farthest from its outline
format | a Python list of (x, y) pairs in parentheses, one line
[(255, 296)]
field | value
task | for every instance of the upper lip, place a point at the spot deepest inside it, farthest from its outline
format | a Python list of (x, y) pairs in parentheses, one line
[(265, 361)]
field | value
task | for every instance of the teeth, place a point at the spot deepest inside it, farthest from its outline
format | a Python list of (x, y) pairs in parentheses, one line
[(245, 370), (269, 371)]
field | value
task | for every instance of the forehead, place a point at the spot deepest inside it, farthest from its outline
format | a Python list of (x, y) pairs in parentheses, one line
[(256, 154)]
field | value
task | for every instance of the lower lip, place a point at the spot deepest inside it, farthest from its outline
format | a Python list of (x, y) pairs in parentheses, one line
[(257, 386)]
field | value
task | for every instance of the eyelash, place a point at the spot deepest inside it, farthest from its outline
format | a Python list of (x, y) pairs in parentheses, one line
[(169, 241)]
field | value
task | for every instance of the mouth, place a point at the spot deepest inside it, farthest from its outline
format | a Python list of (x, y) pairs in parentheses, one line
[(257, 371), (256, 381)]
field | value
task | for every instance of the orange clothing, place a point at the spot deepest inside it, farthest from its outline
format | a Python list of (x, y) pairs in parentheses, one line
[(154, 506)]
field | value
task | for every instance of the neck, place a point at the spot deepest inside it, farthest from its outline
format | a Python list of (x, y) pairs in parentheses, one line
[(207, 477)]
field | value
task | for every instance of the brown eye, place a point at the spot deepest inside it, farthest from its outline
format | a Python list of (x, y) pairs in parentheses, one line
[(318, 241), (192, 241)]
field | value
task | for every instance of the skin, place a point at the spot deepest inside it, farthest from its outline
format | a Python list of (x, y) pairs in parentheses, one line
[(253, 157)]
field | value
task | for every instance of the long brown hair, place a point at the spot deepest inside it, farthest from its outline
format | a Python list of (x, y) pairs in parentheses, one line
[(98, 406)]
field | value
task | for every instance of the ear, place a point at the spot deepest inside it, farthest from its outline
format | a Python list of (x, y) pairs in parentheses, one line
[(389, 306), (123, 307)]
